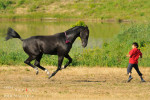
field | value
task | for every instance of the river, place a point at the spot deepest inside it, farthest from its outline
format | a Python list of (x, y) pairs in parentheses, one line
[(99, 32)]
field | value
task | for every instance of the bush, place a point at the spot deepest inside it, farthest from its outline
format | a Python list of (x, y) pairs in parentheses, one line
[(5, 3), (79, 23)]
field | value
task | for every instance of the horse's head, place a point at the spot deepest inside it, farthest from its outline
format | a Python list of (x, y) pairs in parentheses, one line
[(84, 35)]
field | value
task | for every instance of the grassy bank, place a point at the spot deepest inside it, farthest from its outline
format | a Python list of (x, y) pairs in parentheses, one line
[(111, 54), (87, 9)]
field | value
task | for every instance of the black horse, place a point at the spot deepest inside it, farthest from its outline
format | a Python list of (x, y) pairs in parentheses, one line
[(57, 44)]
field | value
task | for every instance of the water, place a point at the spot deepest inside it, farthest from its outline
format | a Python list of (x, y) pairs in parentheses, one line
[(99, 32)]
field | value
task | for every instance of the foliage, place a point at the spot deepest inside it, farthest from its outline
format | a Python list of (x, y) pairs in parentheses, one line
[(5, 3), (79, 23)]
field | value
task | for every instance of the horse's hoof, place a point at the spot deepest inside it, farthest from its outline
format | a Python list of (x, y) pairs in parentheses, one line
[(49, 77), (37, 72), (62, 68)]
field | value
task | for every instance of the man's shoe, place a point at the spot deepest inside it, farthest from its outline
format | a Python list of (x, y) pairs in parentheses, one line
[(142, 80), (130, 78)]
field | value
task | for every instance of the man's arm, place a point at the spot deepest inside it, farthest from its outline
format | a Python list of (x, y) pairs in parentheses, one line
[(141, 55), (128, 55)]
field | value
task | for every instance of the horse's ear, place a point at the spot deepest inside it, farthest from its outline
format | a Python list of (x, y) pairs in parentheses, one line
[(86, 26)]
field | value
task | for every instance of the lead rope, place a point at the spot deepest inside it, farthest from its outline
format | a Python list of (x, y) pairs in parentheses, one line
[(67, 41)]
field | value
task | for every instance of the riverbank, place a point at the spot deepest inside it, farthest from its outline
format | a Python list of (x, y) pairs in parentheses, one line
[(120, 10), (110, 53), (50, 19)]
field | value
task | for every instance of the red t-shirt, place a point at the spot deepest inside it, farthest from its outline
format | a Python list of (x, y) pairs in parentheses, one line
[(134, 56)]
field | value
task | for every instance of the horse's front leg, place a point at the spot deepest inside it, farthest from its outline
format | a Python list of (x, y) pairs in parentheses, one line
[(70, 60), (60, 60)]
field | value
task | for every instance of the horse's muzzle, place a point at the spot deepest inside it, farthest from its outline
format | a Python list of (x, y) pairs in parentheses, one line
[(84, 45)]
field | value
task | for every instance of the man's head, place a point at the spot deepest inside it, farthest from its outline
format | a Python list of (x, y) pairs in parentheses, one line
[(135, 45)]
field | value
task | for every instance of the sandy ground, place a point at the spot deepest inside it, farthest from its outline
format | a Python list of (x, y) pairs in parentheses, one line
[(73, 83)]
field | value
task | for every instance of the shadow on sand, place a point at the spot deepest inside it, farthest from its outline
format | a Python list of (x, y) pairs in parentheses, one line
[(88, 81)]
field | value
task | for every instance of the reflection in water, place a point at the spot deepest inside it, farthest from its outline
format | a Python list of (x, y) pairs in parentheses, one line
[(99, 32)]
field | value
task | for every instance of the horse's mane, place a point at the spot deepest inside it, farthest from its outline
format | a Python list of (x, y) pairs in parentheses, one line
[(74, 28)]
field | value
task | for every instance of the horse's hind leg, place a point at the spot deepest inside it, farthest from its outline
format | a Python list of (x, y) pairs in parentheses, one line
[(37, 63), (28, 63)]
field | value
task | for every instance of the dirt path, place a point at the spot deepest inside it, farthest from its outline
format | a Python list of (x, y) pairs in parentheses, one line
[(80, 83)]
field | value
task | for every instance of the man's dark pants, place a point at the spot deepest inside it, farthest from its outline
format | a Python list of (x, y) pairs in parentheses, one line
[(129, 69)]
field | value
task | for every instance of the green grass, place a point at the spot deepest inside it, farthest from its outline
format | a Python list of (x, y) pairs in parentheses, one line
[(111, 54), (89, 9)]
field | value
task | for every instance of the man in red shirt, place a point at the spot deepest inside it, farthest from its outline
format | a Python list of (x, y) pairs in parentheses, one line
[(134, 55)]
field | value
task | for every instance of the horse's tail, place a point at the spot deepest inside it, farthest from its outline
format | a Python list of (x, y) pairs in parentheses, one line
[(12, 34)]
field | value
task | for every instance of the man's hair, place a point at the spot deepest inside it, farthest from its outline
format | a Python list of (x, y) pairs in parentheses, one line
[(135, 44)]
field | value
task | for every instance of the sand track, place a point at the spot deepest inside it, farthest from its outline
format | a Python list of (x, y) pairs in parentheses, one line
[(73, 83)]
